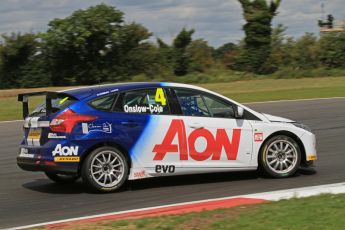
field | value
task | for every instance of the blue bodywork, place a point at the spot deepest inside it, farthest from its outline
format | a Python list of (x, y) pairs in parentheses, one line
[(109, 128)]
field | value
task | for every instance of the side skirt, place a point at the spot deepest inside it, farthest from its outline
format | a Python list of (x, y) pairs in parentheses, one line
[(142, 173)]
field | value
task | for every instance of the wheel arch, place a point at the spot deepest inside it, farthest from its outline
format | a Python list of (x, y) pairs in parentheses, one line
[(285, 133), (103, 144)]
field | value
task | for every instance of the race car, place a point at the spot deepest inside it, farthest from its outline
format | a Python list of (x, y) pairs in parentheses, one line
[(109, 134)]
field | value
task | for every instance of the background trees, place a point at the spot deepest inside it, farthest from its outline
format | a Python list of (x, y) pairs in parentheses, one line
[(17, 54), (182, 58), (332, 50), (258, 30), (91, 46), (95, 45)]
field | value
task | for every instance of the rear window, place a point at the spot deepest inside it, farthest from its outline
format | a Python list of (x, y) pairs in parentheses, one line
[(103, 103), (58, 104)]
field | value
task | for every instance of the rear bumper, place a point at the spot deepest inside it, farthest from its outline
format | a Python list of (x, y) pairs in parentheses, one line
[(31, 164)]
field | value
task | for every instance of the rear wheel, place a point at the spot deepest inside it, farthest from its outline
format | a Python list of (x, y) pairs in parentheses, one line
[(62, 179), (280, 156), (105, 169)]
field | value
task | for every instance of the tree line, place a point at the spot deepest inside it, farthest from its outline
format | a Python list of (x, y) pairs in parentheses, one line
[(96, 45)]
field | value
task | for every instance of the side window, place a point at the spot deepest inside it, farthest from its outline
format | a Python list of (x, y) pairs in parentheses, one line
[(145, 101), (103, 103), (192, 103), (219, 108)]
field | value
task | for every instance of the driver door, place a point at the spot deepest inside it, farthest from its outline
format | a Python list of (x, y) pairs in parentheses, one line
[(215, 138)]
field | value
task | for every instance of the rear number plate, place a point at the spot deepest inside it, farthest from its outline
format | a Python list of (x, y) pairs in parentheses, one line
[(25, 153)]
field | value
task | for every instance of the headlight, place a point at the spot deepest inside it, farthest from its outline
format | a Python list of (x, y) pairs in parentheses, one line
[(302, 126)]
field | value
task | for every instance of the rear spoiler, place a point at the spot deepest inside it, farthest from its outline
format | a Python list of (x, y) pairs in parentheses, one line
[(24, 98)]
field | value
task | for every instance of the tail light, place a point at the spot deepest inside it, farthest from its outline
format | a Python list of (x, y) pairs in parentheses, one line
[(65, 122)]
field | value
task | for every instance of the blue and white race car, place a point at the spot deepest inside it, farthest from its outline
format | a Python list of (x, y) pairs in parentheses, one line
[(112, 133)]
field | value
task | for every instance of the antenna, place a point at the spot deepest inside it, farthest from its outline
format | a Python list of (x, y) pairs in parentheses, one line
[(322, 11)]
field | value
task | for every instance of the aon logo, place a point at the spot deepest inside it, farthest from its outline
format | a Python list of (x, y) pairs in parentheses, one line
[(185, 145), (66, 150)]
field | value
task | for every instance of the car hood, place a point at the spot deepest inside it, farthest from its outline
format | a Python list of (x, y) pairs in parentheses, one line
[(277, 119)]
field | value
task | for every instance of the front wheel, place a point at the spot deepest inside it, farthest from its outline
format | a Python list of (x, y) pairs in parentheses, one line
[(280, 156), (105, 169)]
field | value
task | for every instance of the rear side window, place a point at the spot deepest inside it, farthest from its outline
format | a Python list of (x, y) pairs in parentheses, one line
[(103, 103), (58, 104), (144, 101)]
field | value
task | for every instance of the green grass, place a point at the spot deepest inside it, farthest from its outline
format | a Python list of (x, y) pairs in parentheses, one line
[(319, 212), (11, 109), (280, 89), (242, 91)]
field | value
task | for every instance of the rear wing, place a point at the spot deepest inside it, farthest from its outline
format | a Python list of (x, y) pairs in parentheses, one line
[(24, 98)]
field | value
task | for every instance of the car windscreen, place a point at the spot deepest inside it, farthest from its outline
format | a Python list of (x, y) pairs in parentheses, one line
[(61, 102)]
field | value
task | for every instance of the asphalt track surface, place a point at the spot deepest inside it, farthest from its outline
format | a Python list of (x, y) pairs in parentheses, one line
[(30, 198)]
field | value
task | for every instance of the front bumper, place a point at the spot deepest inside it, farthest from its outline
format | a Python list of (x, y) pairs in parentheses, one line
[(32, 164), (309, 141)]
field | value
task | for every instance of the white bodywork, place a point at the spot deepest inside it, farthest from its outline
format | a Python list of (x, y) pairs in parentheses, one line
[(253, 134)]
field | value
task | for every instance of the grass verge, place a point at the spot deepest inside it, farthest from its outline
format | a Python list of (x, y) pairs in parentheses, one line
[(242, 91), (319, 212)]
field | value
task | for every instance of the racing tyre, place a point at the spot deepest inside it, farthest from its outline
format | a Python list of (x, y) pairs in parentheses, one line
[(62, 179), (280, 156), (105, 169)]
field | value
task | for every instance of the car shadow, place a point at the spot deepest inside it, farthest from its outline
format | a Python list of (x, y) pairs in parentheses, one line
[(205, 178), (47, 186)]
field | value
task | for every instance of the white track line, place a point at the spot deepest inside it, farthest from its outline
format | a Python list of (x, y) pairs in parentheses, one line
[(308, 99), (271, 196), (337, 188), (11, 121)]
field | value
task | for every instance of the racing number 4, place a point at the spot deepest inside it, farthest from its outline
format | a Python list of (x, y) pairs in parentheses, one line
[(160, 96)]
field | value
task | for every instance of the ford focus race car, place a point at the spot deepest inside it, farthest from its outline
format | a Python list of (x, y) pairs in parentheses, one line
[(112, 133)]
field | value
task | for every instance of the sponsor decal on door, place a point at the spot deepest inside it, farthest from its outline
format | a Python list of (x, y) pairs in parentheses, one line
[(186, 145)]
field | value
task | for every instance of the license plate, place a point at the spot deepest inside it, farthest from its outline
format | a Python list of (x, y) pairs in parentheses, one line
[(25, 153), (34, 134)]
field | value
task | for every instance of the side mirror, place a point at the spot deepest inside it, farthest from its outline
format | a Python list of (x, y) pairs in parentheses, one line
[(239, 112)]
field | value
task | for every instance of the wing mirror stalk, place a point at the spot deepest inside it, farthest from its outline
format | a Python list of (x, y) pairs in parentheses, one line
[(239, 112)]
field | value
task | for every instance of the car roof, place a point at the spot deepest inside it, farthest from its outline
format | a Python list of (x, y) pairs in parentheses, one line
[(91, 92)]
